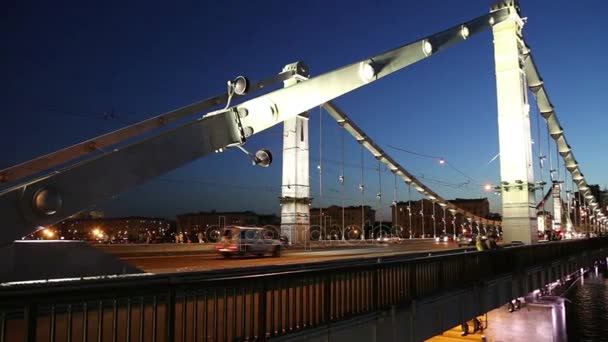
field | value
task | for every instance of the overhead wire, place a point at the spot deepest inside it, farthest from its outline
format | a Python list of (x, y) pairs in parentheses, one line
[(440, 159)]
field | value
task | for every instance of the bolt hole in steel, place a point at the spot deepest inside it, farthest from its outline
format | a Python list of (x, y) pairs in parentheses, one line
[(47, 201)]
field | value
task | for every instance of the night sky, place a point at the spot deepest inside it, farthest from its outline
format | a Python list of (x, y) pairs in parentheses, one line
[(66, 63)]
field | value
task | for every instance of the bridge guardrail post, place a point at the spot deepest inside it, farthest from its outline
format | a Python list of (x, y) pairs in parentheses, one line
[(375, 289), (170, 312), (31, 318), (413, 279), (327, 299), (441, 278), (262, 314)]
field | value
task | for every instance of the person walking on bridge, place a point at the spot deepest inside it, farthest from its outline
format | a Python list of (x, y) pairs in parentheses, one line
[(491, 242), (479, 244)]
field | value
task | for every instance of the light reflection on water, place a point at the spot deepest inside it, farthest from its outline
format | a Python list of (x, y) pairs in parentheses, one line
[(587, 313)]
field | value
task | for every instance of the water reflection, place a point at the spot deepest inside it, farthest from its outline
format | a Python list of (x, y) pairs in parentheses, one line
[(587, 311)]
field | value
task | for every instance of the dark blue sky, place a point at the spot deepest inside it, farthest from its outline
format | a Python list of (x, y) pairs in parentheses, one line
[(64, 63)]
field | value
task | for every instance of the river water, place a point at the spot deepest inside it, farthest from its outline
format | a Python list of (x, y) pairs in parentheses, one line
[(587, 308)]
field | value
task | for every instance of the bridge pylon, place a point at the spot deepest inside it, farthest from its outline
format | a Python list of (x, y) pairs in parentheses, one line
[(295, 190), (515, 143)]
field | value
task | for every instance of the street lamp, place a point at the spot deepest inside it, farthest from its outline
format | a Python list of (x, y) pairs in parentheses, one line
[(48, 233)]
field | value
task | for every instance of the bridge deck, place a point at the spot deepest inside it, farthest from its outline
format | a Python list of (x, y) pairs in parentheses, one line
[(257, 303)]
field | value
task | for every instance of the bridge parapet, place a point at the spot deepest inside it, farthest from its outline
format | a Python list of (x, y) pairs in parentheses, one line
[(259, 303)]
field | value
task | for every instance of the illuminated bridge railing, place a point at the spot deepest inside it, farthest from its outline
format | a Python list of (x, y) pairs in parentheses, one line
[(261, 302)]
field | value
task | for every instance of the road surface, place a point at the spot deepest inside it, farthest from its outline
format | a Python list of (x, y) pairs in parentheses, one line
[(194, 262)]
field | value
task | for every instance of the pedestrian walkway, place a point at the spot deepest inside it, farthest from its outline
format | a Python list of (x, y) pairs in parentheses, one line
[(455, 334), (536, 320)]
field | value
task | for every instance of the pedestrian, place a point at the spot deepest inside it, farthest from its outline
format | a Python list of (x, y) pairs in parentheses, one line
[(490, 242), (479, 244), (494, 244), (465, 329)]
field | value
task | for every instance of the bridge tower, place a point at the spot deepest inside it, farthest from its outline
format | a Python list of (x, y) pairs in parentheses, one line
[(295, 190), (515, 143)]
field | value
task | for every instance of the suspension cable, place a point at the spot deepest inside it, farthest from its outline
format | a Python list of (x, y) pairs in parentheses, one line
[(341, 180), (581, 211), (558, 161), (362, 188), (379, 194), (574, 202), (409, 206), (560, 183), (396, 213), (422, 214), (320, 167), (541, 160), (341, 176), (453, 223), (551, 170), (568, 207), (434, 222), (443, 219)]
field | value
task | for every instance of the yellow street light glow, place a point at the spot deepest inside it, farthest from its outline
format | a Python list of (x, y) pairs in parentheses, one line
[(49, 233)]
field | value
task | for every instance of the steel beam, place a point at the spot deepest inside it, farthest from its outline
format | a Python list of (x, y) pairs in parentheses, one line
[(96, 180), (69, 191), (102, 142), (275, 107)]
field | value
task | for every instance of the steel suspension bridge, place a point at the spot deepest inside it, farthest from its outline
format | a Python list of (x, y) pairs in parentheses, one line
[(53, 187)]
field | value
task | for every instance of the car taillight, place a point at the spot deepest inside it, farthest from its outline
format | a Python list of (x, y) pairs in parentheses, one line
[(219, 246)]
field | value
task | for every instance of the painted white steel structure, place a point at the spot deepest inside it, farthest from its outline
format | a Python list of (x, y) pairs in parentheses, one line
[(546, 109), (369, 144), (515, 143), (51, 197), (295, 189)]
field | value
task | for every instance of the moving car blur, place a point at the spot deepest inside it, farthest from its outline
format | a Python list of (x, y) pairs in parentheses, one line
[(444, 238), (241, 241), (467, 240)]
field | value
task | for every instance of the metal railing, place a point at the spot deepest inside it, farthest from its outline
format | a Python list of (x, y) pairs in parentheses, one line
[(255, 303)]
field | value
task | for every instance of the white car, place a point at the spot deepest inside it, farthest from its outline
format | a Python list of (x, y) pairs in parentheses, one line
[(243, 241)]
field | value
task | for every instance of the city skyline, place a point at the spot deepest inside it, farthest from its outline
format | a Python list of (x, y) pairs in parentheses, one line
[(68, 79)]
